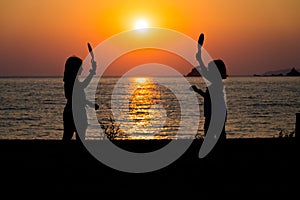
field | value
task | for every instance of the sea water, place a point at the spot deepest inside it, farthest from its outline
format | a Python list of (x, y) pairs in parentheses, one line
[(32, 108)]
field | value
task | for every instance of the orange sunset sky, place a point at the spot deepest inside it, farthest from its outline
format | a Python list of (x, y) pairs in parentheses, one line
[(251, 36)]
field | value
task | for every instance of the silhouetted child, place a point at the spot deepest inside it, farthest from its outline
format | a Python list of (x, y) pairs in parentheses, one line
[(215, 89), (206, 73), (73, 68)]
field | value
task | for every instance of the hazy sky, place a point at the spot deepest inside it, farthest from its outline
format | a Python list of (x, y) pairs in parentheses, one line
[(252, 36)]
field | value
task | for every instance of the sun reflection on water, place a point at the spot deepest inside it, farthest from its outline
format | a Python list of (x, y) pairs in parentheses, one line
[(142, 100), (145, 109), (148, 109), (141, 80)]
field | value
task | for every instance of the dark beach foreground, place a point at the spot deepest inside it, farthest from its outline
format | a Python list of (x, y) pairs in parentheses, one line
[(246, 166)]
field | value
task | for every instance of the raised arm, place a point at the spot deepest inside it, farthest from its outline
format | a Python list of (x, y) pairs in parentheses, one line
[(88, 79), (203, 68)]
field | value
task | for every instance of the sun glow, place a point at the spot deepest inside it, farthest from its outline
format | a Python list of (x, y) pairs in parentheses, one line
[(141, 24)]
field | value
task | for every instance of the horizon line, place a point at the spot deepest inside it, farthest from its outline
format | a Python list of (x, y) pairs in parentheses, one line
[(116, 76)]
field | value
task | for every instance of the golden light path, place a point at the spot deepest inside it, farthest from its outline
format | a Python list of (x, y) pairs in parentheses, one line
[(144, 107)]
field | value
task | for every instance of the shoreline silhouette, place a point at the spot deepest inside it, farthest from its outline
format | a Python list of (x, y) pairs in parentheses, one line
[(254, 165)]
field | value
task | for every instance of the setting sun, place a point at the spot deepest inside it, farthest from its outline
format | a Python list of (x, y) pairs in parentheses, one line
[(141, 24)]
